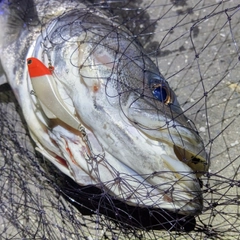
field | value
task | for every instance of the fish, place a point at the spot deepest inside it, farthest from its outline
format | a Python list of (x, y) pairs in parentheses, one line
[(97, 106)]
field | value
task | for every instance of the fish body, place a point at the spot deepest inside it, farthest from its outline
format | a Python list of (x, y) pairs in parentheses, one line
[(97, 106)]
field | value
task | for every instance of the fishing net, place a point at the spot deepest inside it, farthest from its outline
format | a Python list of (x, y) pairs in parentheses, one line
[(196, 47)]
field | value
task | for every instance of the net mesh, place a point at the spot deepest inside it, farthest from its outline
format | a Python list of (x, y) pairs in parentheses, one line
[(196, 46)]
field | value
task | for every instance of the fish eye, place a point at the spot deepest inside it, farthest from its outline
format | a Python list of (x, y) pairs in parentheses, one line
[(161, 93), (29, 61)]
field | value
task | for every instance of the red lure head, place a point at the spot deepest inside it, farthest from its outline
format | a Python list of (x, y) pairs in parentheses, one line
[(37, 69)]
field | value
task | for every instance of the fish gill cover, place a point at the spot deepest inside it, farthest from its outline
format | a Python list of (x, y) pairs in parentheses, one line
[(195, 44)]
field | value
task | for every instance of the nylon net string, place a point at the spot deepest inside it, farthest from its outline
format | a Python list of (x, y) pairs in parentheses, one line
[(196, 47)]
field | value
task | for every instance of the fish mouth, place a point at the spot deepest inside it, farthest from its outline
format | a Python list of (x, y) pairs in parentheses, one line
[(187, 161), (170, 126), (195, 161), (188, 147)]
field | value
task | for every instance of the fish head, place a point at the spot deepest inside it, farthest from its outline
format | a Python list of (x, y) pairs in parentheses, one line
[(140, 146)]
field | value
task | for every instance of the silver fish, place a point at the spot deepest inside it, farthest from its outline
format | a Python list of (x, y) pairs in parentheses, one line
[(97, 106)]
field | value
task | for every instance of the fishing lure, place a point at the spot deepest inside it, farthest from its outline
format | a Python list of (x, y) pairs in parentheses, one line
[(46, 91)]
